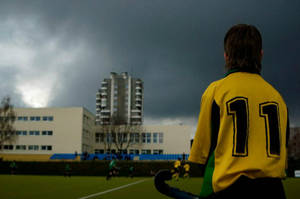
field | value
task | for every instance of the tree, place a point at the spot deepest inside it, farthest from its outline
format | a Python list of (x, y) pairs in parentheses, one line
[(7, 119), (120, 135), (126, 135), (105, 136)]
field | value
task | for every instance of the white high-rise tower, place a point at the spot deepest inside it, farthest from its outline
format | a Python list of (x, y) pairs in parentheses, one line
[(120, 98)]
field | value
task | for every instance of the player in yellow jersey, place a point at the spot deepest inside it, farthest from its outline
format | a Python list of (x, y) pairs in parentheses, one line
[(186, 167), (243, 127), (176, 170)]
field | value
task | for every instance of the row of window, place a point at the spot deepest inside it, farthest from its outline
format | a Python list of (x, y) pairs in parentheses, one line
[(35, 118), (156, 138), (24, 133), (27, 147), (131, 151), (155, 151)]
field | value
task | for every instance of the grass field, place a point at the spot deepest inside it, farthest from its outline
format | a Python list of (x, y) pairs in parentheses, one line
[(46, 187)]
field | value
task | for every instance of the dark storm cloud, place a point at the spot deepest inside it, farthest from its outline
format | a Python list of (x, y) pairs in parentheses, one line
[(7, 86), (176, 47)]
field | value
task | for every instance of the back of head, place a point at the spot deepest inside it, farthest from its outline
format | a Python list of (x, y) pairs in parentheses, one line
[(243, 48)]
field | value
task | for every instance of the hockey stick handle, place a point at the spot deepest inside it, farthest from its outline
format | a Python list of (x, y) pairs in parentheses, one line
[(159, 182)]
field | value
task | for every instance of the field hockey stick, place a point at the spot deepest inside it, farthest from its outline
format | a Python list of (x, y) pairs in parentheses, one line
[(164, 188)]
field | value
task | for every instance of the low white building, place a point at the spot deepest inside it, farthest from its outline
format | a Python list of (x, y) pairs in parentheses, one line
[(45, 131), (155, 139), (52, 130)]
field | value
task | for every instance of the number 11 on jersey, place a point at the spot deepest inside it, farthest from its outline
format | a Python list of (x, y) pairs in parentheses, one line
[(238, 109)]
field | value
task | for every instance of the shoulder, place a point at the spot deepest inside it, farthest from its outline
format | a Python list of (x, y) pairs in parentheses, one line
[(210, 90), (275, 92)]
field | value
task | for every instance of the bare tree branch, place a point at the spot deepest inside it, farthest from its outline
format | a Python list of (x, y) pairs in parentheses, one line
[(7, 119), (120, 135)]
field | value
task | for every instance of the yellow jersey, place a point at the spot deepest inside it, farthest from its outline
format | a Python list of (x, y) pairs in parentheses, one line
[(242, 130), (177, 164), (186, 167)]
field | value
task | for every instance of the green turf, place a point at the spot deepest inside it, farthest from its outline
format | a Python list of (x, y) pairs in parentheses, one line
[(31, 187)]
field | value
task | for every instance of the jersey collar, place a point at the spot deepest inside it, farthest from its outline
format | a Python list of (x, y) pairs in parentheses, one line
[(234, 70)]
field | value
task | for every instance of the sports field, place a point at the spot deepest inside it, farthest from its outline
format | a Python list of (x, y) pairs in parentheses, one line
[(31, 187)]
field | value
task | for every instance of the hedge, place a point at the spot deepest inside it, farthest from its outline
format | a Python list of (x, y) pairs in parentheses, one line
[(93, 168), (100, 167)]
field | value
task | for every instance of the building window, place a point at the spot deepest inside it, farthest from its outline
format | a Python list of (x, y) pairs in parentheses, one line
[(146, 151), (21, 133), (33, 147), (35, 118), (122, 137), (36, 133), (113, 136), (131, 137), (157, 151), (148, 137), (155, 135), (143, 137), (134, 137), (46, 148), (31, 132), (8, 147), (99, 151), (47, 133), (47, 118), (108, 138), (161, 138), (20, 147), (99, 137), (137, 138), (22, 118), (102, 137), (134, 151)]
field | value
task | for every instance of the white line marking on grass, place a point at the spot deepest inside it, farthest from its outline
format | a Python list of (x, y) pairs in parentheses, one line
[(114, 189)]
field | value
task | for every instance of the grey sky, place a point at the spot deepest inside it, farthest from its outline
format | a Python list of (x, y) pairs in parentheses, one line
[(56, 53)]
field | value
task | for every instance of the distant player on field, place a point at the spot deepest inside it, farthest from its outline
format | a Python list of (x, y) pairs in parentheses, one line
[(130, 171), (186, 167), (67, 170), (112, 169), (243, 128), (176, 169), (13, 167)]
